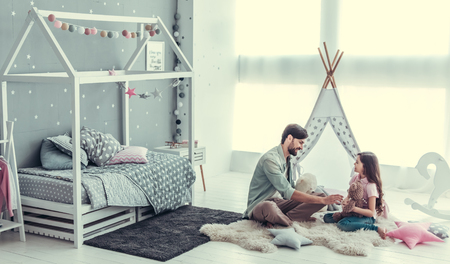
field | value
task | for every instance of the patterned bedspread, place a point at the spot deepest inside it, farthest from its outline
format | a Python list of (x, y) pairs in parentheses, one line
[(164, 182)]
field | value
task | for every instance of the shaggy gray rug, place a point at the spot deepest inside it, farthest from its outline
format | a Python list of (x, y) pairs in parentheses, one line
[(164, 236), (253, 236)]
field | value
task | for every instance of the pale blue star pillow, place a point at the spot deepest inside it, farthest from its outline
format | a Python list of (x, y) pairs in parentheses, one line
[(288, 237)]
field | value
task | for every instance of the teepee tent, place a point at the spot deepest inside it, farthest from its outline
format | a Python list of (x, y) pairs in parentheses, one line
[(327, 110)]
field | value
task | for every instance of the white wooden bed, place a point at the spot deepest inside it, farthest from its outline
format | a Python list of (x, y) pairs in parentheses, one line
[(77, 222)]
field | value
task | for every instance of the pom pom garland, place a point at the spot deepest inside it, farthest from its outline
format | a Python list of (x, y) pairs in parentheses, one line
[(64, 26), (103, 33), (57, 24), (157, 31), (176, 34), (152, 33), (177, 16), (81, 30), (51, 17)]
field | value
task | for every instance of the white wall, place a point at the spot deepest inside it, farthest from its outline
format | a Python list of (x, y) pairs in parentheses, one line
[(215, 65)]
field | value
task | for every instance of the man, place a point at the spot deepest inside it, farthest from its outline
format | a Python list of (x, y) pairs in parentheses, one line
[(272, 198)]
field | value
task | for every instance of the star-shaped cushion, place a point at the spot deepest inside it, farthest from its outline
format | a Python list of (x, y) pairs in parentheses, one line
[(413, 233), (288, 237)]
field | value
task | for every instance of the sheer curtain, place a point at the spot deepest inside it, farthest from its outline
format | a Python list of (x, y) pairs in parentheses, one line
[(392, 78)]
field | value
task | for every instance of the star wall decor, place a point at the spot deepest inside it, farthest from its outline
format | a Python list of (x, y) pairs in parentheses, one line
[(157, 93), (130, 92), (144, 96)]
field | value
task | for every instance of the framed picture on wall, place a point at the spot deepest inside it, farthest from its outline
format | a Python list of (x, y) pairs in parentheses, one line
[(155, 56)]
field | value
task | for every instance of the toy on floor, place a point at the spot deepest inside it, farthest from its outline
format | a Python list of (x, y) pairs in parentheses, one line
[(355, 195), (441, 183), (306, 183)]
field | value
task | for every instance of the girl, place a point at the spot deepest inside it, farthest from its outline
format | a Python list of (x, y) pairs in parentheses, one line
[(368, 172)]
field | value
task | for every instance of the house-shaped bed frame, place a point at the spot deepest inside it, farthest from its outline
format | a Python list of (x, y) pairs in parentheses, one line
[(86, 222)]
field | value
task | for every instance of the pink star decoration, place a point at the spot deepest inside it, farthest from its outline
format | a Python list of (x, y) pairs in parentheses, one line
[(112, 72), (130, 92), (413, 233)]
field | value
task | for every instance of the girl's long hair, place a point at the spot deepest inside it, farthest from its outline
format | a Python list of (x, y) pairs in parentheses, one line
[(372, 172)]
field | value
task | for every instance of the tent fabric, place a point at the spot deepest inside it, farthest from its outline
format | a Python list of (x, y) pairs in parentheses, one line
[(327, 110)]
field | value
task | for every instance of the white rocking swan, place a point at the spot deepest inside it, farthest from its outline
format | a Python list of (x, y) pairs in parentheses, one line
[(441, 184)]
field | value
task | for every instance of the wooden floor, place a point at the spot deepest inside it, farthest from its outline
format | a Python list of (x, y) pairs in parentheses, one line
[(229, 192)]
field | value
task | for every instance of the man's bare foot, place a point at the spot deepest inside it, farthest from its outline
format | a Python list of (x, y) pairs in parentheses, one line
[(382, 232)]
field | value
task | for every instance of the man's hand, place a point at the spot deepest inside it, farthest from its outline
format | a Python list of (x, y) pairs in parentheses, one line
[(333, 199)]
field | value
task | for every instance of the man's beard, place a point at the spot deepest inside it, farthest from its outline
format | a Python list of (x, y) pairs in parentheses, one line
[(292, 150)]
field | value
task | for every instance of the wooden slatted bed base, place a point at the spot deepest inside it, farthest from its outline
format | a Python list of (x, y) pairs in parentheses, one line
[(56, 219)]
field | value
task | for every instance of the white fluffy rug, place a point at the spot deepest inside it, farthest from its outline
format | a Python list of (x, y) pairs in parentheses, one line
[(252, 235)]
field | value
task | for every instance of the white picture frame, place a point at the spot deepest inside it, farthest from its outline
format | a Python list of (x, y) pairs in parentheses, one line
[(155, 56)]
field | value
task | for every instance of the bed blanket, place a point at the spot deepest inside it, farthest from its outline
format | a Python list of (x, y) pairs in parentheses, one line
[(108, 189), (165, 180)]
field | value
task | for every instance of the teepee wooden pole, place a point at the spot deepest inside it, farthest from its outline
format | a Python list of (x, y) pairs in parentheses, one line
[(332, 66)]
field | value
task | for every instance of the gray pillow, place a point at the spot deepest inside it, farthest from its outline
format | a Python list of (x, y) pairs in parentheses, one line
[(439, 230), (288, 237), (99, 147), (54, 159), (63, 143)]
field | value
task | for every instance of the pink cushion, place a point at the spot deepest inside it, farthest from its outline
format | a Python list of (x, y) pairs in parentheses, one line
[(413, 233), (131, 154)]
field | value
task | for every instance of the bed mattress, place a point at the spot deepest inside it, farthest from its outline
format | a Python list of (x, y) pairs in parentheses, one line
[(49, 189)]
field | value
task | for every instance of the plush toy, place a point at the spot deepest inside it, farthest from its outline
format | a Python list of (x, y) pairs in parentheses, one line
[(355, 195), (306, 183)]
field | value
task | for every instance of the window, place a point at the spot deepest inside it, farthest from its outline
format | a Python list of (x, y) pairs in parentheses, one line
[(395, 28), (277, 28)]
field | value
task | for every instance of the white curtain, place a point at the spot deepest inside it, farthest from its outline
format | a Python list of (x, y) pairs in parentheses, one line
[(392, 78)]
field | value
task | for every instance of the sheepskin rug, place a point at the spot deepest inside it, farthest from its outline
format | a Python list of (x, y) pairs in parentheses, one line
[(251, 235)]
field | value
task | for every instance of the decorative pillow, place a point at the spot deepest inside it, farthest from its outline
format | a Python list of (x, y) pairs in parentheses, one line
[(100, 148), (53, 159), (439, 230), (288, 237), (413, 233), (131, 154), (63, 143)]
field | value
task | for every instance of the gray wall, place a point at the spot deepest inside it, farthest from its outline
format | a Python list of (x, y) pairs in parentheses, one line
[(42, 110)]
